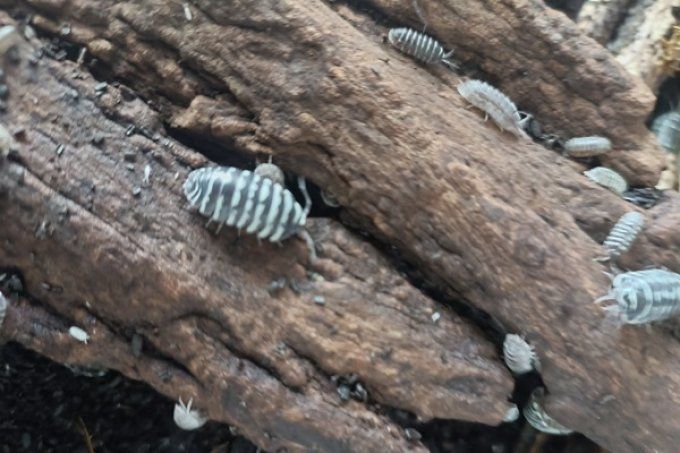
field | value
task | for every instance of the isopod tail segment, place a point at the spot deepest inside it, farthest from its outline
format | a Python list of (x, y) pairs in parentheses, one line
[(445, 59), (304, 234)]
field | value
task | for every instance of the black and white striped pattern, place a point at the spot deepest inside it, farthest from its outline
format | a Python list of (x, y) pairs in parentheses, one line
[(644, 296), (667, 130), (539, 419), (587, 146), (623, 234), (495, 104), (418, 45), (243, 199)]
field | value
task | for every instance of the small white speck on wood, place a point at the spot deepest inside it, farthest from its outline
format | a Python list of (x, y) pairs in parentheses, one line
[(79, 334), (319, 300), (187, 11), (147, 174), (3, 308), (436, 316)]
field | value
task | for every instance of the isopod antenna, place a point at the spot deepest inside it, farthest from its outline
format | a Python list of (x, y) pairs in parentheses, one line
[(304, 234)]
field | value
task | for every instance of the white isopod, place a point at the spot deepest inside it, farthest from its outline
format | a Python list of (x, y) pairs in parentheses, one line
[(419, 46), (539, 419), (271, 171), (3, 308), (667, 130), (644, 296), (623, 234), (187, 418), (79, 334), (496, 105), (519, 355), (587, 146), (608, 178)]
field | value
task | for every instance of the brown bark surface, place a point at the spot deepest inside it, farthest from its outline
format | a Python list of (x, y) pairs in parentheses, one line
[(509, 227)]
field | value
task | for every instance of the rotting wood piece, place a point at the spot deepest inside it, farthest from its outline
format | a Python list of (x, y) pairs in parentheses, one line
[(534, 54), (501, 224), (599, 19), (108, 252)]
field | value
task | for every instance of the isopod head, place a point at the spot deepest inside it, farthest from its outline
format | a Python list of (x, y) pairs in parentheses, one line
[(271, 171)]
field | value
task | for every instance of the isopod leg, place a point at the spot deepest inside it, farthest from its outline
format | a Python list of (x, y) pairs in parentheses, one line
[(608, 296), (302, 184), (304, 234), (449, 63), (219, 228)]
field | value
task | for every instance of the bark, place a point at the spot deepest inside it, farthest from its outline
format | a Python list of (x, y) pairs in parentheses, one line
[(638, 45), (509, 227), (116, 256), (599, 19)]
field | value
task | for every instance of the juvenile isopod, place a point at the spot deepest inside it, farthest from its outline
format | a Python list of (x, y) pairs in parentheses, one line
[(667, 130), (419, 46), (243, 199), (539, 419), (644, 296), (271, 171), (623, 234), (496, 105), (587, 146), (187, 418), (512, 414), (519, 355), (3, 308), (607, 178), (79, 334)]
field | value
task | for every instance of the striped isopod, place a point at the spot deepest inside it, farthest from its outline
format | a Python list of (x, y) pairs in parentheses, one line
[(623, 234), (496, 105), (519, 355), (587, 146), (667, 130), (644, 296), (3, 308), (243, 199), (608, 178), (419, 46), (539, 419)]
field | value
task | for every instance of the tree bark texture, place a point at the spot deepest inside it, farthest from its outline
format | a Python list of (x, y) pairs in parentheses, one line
[(509, 228)]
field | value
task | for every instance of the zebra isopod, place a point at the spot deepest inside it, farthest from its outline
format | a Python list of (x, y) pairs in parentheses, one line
[(496, 105), (539, 419), (667, 130), (242, 199), (419, 45), (623, 234), (587, 146), (644, 296), (608, 178)]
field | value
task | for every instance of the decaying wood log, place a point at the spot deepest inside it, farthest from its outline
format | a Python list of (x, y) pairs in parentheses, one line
[(509, 227), (233, 324), (638, 44), (599, 19)]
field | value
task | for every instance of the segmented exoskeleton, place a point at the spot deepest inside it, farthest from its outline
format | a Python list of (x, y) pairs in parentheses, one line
[(243, 199), (644, 296), (539, 419), (419, 46), (519, 355), (608, 178), (587, 146), (496, 105), (667, 130), (622, 235)]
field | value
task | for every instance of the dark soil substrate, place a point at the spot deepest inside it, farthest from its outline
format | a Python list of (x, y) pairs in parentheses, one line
[(44, 407)]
